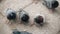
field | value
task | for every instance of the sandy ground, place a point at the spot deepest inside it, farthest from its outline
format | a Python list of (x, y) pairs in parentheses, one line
[(52, 25)]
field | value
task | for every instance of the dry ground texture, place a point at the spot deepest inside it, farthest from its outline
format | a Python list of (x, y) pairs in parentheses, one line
[(52, 25)]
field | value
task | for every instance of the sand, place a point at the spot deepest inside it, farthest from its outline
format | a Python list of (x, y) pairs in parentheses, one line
[(52, 25)]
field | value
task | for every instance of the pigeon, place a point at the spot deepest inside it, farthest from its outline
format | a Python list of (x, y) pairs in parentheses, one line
[(24, 16), (11, 14), (39, 19), (51, 4), (20, 32)]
